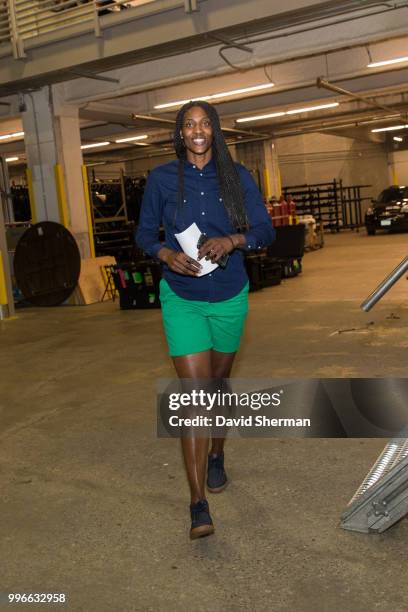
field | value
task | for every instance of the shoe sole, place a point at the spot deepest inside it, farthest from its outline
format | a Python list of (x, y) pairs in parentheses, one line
[(201, 532), (218, 489)]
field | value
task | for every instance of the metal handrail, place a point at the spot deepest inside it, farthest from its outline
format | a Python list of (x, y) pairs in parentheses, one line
[(49, 6), (36, 23), (28, 19)]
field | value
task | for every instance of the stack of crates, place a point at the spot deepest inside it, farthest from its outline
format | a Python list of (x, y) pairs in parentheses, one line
[(288, 249), (137, 284), (262, 271)]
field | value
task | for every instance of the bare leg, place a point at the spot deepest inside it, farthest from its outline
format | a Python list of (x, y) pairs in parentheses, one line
[(221, 365), (195, 450)]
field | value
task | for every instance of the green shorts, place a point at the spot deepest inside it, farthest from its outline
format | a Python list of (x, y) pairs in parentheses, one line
[(192, 326)]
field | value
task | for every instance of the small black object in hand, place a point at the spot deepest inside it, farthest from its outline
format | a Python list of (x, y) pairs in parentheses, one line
[(222, 261)]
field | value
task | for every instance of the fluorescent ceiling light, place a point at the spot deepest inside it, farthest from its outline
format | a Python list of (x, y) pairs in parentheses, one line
[(181, 102), (130, 138), (13, 135), (293, 111), (10, 159), (258, 117), (397, 60), (217, 96), (236, 92), (139, 144), (95, 144), (390, 128), (307, 109), (398, 138)]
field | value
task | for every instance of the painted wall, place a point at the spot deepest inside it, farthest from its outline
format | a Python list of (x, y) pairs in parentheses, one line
[(319, 158)]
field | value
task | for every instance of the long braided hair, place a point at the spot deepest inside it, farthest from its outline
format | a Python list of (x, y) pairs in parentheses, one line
[(229, 182)]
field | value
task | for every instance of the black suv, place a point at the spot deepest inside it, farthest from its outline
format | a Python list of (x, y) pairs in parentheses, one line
[(389, 211)]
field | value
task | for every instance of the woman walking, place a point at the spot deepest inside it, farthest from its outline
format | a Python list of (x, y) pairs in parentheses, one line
[(204, 315)]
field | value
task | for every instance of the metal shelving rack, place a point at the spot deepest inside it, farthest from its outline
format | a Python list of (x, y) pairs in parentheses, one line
[(336, 205)]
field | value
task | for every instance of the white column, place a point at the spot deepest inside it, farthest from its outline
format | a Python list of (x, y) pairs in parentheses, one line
[(41, 153), (68, 138), (52, 138)]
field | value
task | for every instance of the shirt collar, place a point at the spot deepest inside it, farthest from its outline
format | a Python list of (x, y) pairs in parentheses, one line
[(209, 166)]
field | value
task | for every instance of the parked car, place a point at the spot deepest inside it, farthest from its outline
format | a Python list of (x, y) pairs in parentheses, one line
[(389, 211)]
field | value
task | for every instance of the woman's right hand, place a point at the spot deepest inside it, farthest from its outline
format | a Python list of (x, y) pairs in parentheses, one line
[(180, 262)]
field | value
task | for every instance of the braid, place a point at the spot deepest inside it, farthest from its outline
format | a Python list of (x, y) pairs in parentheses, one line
[(230, 185), (181, 154)]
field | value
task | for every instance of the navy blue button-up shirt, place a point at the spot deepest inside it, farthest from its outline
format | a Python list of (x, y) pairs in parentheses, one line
[(204, 206)]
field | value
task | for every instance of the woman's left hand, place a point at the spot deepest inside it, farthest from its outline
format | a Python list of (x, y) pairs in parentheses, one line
[(214, 248)]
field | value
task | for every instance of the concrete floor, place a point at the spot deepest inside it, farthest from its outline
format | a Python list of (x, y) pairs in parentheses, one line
[(94, 505)]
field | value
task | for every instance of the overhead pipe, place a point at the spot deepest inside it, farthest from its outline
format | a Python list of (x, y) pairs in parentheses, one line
[(322, 83), (323, 126)]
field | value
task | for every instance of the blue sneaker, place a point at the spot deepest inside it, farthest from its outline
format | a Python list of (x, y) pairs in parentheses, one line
[(216, 477), (201, 523)]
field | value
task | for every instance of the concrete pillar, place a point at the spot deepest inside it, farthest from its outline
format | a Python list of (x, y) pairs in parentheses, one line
[(262, 157), (6, 289), (69, 154), (41, 153), (398, 167), (52, 140)]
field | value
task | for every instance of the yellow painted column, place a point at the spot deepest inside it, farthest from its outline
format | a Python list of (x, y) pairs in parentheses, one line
[(267, 183), (88, 211), (271, 164), (61, 195), (3, 288), (31, 198)]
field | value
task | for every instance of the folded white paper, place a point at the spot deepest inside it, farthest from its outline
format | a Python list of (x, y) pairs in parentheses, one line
[(188, 241)]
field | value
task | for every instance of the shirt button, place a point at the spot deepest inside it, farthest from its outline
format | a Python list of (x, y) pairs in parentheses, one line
[(210, 274), (220, 199), (201, 174), (203, 213), (193, 166), (202, 193)]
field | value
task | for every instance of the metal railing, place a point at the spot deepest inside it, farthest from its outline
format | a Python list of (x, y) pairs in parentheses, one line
[(22, 20)]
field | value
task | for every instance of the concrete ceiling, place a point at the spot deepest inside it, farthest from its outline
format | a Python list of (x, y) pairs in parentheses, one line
[(292, 51)]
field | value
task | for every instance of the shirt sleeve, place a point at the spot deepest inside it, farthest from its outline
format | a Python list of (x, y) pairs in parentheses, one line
[(147, 234), (261, 232)]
